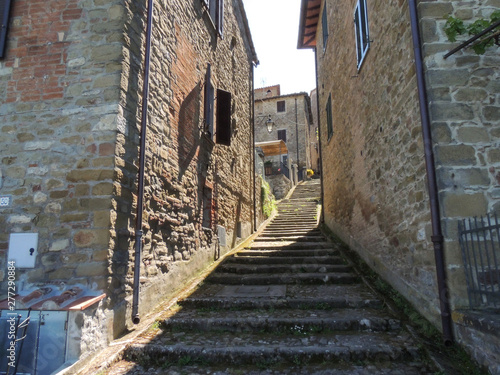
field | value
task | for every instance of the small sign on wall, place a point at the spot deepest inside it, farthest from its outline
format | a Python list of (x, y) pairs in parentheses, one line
[(23, 249)]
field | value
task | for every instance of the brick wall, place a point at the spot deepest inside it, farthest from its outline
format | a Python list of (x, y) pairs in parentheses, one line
[(70, 97)]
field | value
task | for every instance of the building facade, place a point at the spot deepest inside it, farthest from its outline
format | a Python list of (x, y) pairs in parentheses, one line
[(71, 94), (291, 118), (377, 158)]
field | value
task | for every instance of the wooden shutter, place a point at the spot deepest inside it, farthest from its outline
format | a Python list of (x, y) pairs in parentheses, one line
[(223, 136), (4, 24), (208, 107), (220, 17), (282, 135)]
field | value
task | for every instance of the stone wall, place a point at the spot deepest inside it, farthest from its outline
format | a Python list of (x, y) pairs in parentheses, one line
[(70, 94), (373, 165)]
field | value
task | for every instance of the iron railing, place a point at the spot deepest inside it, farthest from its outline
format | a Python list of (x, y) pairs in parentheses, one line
[(479, 241)]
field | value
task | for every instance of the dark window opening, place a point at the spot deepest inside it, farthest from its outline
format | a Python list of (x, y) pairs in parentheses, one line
[(4, 24), (362, 32), (329, 117), (280, 106), (207, 207), (223, 135), (216, 11), (282, 135)]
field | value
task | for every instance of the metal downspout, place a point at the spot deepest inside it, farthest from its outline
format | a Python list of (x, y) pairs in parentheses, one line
[(296, 138), (319, 140), (437, 236), (252, 146), (142, 158)]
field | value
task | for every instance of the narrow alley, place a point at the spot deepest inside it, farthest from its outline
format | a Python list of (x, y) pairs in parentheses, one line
[(288, 304)]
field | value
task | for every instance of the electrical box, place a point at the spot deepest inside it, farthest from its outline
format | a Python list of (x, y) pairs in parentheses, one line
[(23, 249)]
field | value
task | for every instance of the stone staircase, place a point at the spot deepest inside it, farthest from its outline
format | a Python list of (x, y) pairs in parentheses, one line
[(288, 304)]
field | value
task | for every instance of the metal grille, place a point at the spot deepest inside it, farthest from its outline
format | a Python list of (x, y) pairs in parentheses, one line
[(479, 241)]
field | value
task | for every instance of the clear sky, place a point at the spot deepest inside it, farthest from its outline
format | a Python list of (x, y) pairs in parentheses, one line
[(274, 25)]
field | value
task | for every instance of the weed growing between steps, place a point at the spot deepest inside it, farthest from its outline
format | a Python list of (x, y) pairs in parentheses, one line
[(454, 354)]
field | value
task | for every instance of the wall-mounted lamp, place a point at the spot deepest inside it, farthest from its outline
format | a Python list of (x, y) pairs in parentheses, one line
[(269, 124)]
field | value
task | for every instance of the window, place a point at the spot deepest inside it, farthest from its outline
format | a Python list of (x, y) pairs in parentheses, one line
[(361, 29), (4, 24), (216, 11), (223, 131), (280, 106), (329, 117), (324, 27), (208, 105), (282, 135), (208, 208)]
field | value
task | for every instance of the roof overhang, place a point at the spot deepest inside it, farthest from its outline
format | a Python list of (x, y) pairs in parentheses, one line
[(309, 17), (272, 148)]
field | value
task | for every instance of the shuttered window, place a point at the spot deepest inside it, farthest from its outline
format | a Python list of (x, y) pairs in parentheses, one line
[(324, 27), (223, 135), (362, 32), (4, 24), (216, 11), (209, 104), (280, 106)]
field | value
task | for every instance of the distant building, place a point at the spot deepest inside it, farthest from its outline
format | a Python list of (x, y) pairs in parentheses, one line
[(291, 118), (71, 90), (409, 147)]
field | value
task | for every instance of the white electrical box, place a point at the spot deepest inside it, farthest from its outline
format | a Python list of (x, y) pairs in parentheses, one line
[(23, 249)]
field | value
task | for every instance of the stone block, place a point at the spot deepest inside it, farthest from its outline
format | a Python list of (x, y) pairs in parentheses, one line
[(463, 177), (492, 113), (59, 245), (494, 155), (62, 273), (471, 95), (464, 205), (91, 269), (473, 134), (78, 175), (434, 9), (448, 77), (456, 155), (103, 188)]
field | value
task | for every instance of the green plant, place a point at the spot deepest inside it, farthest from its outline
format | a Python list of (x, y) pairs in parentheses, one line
[(267, 198), (455, 27)]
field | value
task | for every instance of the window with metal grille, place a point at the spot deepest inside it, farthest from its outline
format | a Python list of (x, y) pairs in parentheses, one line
[(324, 26), (223, 131), (280, 106), (329, 117), (282, 135), (4, 24), (361, 30)]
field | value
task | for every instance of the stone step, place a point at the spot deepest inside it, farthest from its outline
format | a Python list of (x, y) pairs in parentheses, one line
[(284, 278), (285, 232), (244, 268), (291, 245), (288, 321), (254, 348), (290, 238), (187, 365), (289, 259), (276, 252)]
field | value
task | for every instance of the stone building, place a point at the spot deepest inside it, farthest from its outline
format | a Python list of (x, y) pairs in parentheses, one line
[(313, 134), (71, 90), (386, 113), (291, 117)]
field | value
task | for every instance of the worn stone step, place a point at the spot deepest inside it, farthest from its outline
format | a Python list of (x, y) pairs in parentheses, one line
[(289, 258), (291, 245), (276, 252), (293, 232), (306, 238), (284, 278), (189, 366), (289, 321), (243, 268), (252, 348)]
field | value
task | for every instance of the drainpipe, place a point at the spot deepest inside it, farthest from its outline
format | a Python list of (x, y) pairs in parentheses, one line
[(142, 158), (319, 139), (252, 145), (437, 235), (296, 137)]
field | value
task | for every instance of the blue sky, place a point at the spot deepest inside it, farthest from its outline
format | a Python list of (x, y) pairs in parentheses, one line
[(274, 25)]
